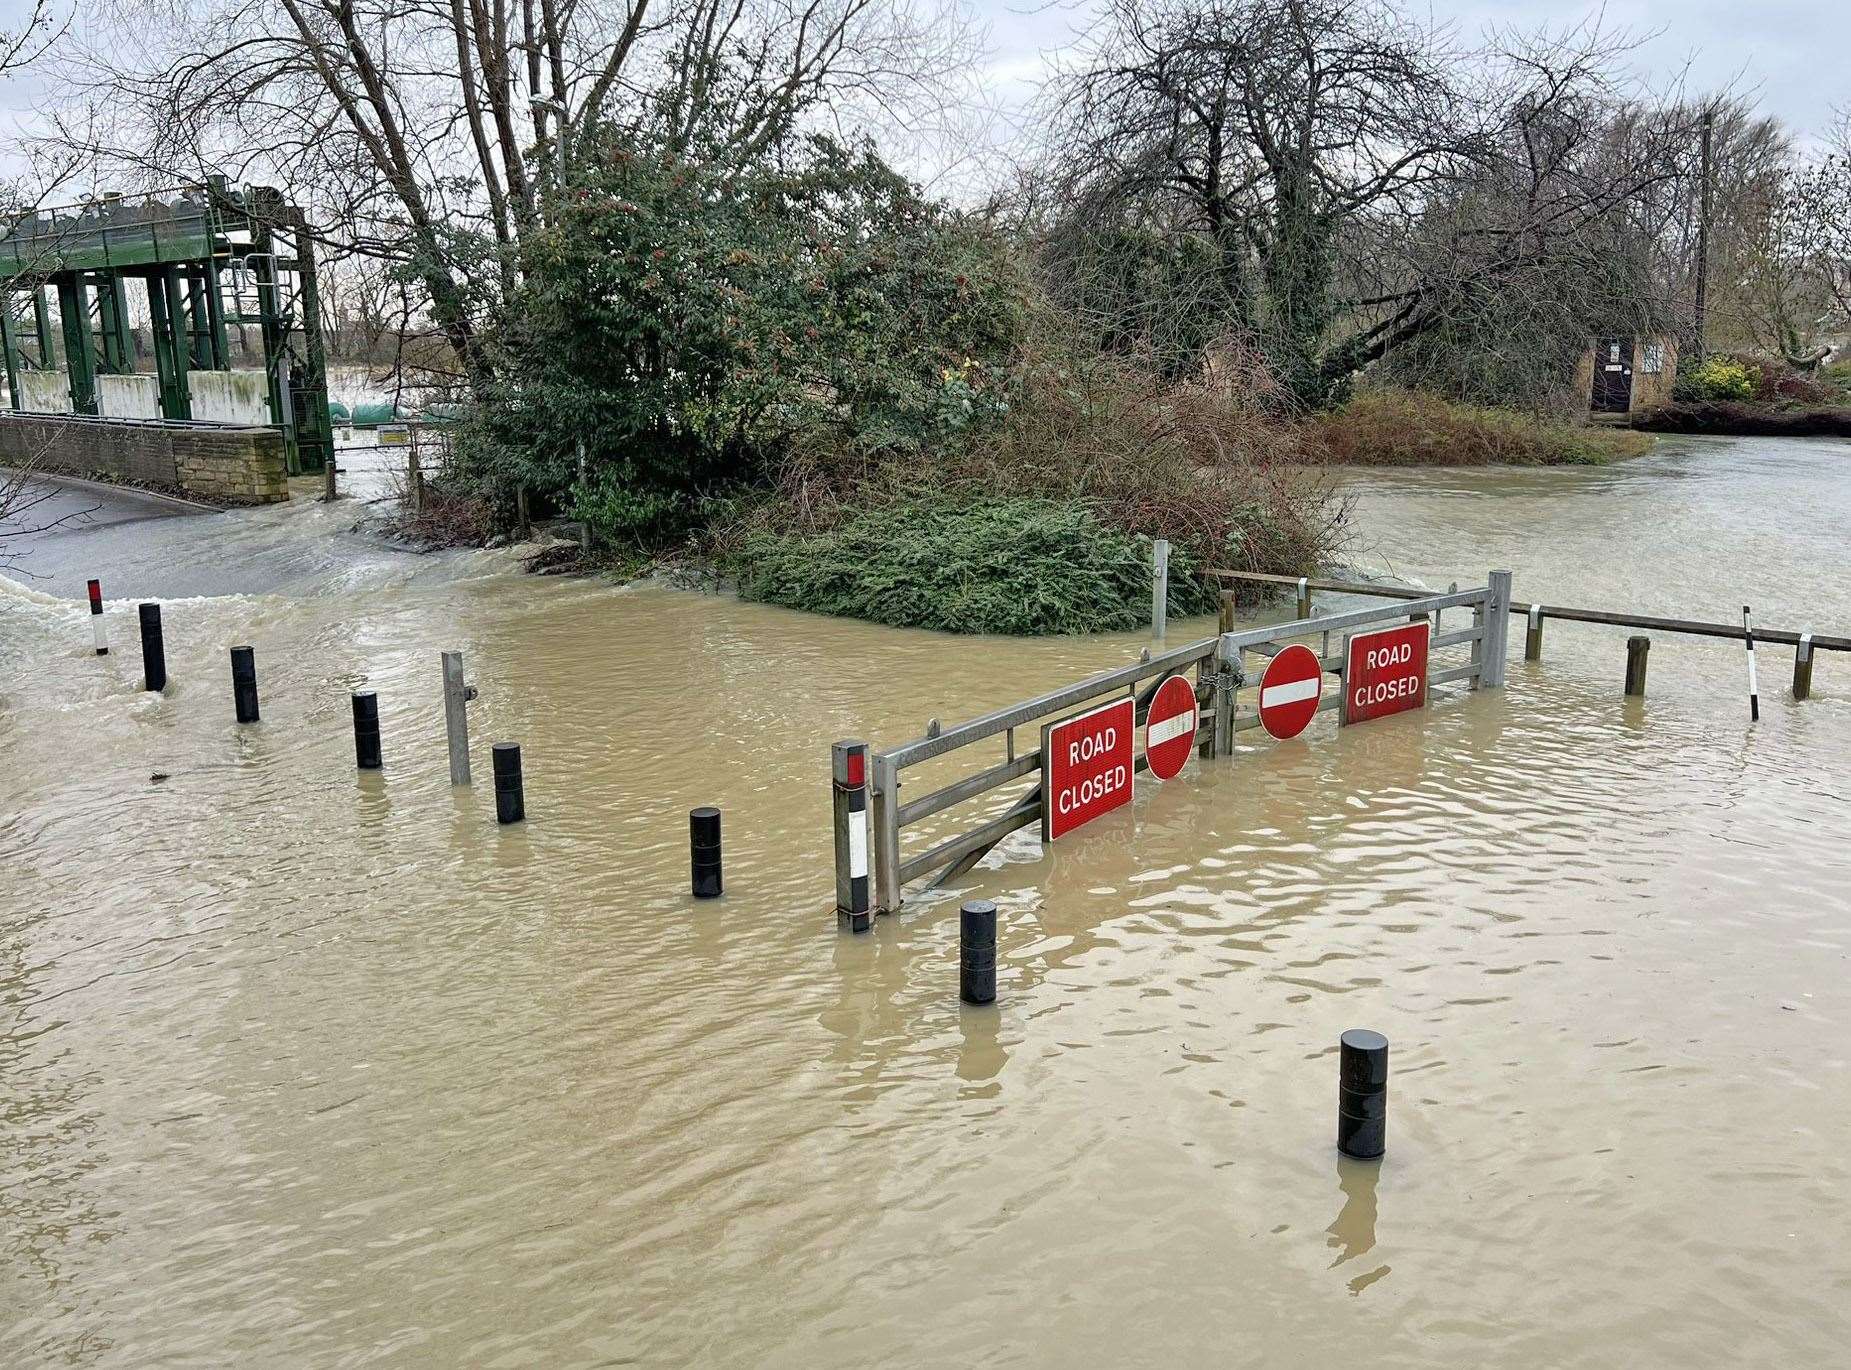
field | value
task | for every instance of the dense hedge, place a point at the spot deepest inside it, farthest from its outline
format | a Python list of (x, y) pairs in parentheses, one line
[(1020, 566)]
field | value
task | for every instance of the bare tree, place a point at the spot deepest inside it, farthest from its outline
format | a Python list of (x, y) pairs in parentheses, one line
[(1357, 178), (431, 133)]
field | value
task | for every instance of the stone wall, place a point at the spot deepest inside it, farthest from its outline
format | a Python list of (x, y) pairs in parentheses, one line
[(221, 464)]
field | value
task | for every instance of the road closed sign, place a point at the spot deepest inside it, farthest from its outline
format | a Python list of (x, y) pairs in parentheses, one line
[(1086, 766), (1385, 673)]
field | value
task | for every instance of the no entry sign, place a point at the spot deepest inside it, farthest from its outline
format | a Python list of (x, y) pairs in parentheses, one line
[(1386, 672), (1169, 728), (1290, 690), (1086, 766)]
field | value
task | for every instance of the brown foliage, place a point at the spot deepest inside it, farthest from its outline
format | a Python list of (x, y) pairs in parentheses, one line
[(1411, 428)]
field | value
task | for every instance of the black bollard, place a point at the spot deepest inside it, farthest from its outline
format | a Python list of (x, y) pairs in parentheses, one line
[(153, 648), (704, 852), (244, 683), (366, 753), (510, 798), (977, 952), (1362, 1094)]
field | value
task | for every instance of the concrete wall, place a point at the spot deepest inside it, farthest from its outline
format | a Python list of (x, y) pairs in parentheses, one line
[(45, 392), (129, 397), (241, 397), (220, 464)]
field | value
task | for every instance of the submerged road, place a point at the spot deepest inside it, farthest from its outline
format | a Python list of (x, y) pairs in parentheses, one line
[(148, 546)]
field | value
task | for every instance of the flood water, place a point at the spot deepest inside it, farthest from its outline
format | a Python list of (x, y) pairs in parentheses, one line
[(308, 1068)]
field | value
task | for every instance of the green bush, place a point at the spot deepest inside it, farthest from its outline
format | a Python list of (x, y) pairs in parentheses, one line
[(1719, 378), (692, 314), (1020, 566)]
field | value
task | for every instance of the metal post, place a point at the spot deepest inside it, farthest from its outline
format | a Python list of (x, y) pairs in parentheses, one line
[(510, 793), (1362, 1094), (704, 853), (153, 648), (244, 683), (9, 344), (366, 749), (584, 524), (1496, 636), (179, 342), (79, 347), (848, 770), (886, 836), (1532, 640), (1227, 686), (977, 952), (101, 638), (1802, 667), (1159, 588), (456, 696), (1636, 649), (1304, 597)]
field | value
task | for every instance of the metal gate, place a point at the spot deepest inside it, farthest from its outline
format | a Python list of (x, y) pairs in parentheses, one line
[(1221, 672)]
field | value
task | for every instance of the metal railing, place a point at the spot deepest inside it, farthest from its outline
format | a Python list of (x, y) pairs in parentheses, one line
[(1218, 663)]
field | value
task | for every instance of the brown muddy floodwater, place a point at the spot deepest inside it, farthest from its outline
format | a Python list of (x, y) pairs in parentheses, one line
[(304, 1068)]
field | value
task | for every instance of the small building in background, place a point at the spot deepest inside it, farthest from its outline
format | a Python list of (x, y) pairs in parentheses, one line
[(1626, 375)]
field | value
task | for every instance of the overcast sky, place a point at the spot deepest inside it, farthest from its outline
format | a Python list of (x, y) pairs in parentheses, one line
[(1793, 56)]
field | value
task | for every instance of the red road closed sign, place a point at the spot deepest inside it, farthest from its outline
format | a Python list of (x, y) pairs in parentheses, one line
[(1290, 690), (1086, 766), (1385, 673), (1169, 727)]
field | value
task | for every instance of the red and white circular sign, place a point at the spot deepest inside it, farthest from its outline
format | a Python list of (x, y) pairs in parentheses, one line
[(1289, 691), (1169, 729)]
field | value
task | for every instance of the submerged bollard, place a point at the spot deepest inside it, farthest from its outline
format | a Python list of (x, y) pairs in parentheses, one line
[(1532, 640), (366, 730), (977, 952), (244, 683), (1802, 667), (153, 648), (510, 797), (1304, 597), (1362, 1093), (704, 852), (96, 618), (848, 775), (1636, 648)]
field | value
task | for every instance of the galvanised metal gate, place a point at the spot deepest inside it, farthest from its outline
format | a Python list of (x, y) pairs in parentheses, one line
[(868, 784)]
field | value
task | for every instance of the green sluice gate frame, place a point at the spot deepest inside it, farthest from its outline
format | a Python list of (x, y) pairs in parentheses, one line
[(208, 257)]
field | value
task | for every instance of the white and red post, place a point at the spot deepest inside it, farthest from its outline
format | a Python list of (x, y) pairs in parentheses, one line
[(96, 618), (854, 887), (1754, 693)]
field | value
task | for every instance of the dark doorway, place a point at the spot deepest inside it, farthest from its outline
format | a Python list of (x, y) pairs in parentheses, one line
[(1612, 376)]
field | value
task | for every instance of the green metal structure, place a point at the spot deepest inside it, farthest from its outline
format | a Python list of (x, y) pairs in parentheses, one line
[(208, 260)]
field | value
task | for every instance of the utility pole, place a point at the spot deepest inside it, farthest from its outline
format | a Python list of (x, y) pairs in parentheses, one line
[(1703, 232)]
